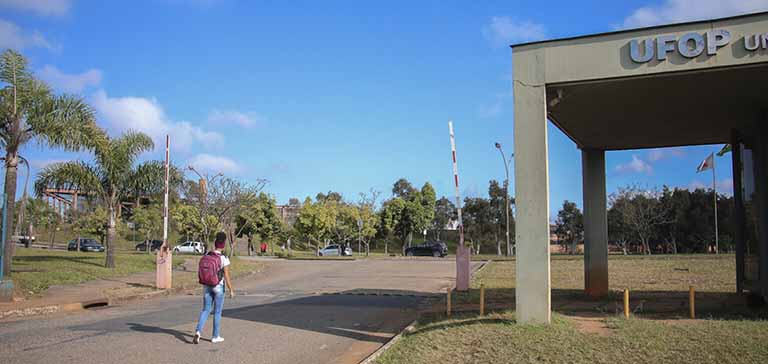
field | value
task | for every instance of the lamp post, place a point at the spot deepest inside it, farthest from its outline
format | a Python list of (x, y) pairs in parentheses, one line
[(506, 192), (17, 228)]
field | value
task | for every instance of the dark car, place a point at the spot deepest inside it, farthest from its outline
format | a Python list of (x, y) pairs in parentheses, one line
[(154, 245), (86, 245), (431, 249)]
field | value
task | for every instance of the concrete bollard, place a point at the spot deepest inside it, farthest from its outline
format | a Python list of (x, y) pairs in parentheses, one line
[(482, 300), (448, 303), (626, 303), (692, 302)]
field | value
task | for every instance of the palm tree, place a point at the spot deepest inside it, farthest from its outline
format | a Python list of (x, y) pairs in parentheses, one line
[(110, 179), (30, 111)]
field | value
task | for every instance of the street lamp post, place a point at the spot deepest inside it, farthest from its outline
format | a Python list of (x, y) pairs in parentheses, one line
[(506, 193)]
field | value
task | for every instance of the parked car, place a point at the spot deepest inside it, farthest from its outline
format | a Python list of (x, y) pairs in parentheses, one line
[(432, 249), (193, 247), (86, 245), (23, 239), (154, 245), (334, 250)]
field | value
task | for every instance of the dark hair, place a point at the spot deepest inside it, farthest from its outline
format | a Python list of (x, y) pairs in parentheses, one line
[(221, 237)]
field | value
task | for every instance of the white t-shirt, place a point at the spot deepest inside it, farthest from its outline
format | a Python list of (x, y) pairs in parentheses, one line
[(224, 262)]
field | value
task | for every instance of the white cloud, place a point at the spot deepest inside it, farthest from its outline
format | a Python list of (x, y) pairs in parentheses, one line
[(70, 82), (11, 36), (503, 30), (676, 11), (213, 164), (146, 115), (637, 165), (40, 7), (231, 116), (656, 155)]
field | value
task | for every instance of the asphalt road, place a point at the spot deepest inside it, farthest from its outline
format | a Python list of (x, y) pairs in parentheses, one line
[(295, 312)]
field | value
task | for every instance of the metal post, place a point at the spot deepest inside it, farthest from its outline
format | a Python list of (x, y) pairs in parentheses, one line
[(626, 303), (714, 191), (506, 194), (6, 285)]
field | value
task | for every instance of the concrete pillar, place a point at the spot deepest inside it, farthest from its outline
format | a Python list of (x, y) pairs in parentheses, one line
[(595, 223), (533, 299)]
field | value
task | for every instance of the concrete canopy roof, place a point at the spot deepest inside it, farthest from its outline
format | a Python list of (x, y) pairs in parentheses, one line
[(689, 108), (605, 97)]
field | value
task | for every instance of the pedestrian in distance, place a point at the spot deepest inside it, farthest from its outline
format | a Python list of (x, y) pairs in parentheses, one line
[(213, 274)]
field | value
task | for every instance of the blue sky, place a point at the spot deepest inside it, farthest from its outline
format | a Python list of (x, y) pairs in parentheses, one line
[(333, 95)]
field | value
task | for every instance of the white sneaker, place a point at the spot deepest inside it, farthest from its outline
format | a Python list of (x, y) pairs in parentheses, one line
[(196, 339), (217, 339)]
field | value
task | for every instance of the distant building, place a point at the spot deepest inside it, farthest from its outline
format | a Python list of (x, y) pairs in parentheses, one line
[(288, 213)]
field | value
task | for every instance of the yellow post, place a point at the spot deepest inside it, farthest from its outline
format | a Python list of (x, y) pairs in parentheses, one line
[(448, 303), (626, 303), (692, 302), (482, 299)]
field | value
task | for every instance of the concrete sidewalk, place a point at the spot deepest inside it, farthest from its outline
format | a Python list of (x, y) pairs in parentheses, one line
[(100, 292)]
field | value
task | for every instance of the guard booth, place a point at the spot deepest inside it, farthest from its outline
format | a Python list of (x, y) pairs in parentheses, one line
[(685, 84)]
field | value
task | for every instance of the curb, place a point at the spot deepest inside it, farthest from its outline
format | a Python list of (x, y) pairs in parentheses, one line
[(376, 354)]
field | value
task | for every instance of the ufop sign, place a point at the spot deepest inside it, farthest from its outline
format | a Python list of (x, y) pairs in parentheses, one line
[(690, 45)]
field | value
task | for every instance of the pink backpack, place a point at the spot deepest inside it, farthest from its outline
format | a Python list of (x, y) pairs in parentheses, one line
[(209, 269)]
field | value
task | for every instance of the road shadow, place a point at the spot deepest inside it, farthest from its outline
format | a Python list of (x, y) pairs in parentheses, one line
[(345, 315), (179, 335)]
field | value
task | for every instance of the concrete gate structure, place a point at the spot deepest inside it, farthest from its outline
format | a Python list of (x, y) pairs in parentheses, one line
[(695, 83)]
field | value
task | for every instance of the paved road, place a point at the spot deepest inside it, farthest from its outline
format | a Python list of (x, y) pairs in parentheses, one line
[(289, 314)]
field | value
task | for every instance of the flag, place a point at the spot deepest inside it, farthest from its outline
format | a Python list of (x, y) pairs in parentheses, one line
[(726, 149), (708, 163)]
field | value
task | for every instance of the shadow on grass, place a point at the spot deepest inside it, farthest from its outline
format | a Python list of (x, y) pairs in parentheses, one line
[(58, 259)]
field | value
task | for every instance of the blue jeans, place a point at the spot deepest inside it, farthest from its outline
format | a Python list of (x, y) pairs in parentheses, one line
[(212, 296)]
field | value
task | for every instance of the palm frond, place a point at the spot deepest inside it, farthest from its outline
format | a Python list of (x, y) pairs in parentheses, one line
[(73, 175), (14, 70), (64, 121)]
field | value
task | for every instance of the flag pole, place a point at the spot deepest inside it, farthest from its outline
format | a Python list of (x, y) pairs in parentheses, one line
[(714, 190)]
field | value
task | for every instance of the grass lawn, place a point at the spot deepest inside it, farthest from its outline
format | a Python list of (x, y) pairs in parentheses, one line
[(34, 270), (497, 338)]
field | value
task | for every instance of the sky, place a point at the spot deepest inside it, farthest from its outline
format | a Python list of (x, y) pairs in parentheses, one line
[(334, 95)]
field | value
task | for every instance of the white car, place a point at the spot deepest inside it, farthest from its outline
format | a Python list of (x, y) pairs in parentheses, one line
[(193, 247), (334, 250)]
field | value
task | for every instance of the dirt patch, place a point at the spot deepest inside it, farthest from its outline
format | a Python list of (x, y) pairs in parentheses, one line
[(592, 325)]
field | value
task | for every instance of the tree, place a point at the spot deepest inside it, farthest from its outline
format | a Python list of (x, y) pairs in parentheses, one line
[(259, 218), (411, 211), (92, 223), (108, 179), (478, 222), (228, 200), (445, 212), (186, 218), (314, 222), (41, 215), (30, 111), (402, 188), (149, 222), (641, 212), (498, 198), (367, 219), (570, 225)]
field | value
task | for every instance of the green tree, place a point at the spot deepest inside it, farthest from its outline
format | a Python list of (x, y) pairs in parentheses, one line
[(478, 221), (108, 179), (445, 212), (92, 223), (570, 225), (42, 216), (149, 221), (498, 199), (259, 219), (314, 222), (410, 211), (29, 111), (186, 219)]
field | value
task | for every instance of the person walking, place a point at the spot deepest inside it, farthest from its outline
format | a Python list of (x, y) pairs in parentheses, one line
[(213, 274)]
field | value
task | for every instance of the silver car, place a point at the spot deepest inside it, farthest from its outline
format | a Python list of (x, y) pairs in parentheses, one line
[(334, 250)]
